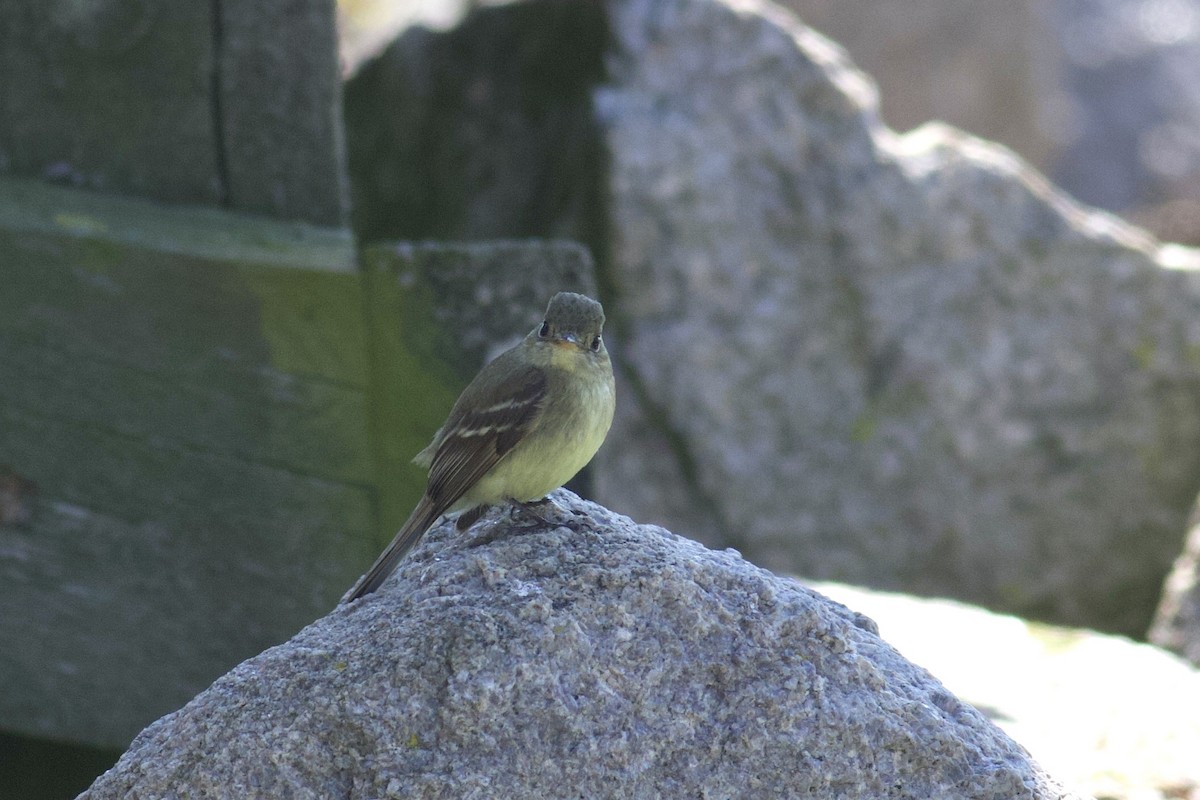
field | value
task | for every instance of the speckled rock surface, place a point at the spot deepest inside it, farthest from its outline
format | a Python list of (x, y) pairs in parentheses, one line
[(906, 362), (587, 657)]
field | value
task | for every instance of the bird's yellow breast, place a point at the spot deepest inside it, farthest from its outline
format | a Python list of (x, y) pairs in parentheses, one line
[(564, 440)]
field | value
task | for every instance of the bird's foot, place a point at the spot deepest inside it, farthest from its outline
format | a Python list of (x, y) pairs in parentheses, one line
[(531, 509), (520, 509)]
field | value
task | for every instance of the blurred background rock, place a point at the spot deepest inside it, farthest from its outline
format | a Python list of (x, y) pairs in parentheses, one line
[(1100, 95)]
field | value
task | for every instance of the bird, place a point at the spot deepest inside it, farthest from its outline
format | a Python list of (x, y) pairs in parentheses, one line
[(524, 426)]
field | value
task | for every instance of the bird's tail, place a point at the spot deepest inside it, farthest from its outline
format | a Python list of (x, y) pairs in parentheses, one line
[(409, 534)]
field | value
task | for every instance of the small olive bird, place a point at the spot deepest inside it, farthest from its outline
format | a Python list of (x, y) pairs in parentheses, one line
[(529, 421)]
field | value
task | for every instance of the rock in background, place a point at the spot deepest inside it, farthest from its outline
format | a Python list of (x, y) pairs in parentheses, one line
[(592, 653), (483, 131), (908, 362), (899, 361), (1099, 94)]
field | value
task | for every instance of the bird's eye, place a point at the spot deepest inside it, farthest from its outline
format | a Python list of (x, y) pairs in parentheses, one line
[(544, 331), (596, 345)]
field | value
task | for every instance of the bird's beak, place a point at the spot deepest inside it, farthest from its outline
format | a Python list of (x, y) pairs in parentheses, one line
[(567, 340)]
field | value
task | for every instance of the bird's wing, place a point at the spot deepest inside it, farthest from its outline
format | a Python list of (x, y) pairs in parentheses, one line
[(475, 440)]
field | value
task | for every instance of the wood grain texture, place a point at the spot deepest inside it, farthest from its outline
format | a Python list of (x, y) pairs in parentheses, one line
[(194, 419), (228, 104)]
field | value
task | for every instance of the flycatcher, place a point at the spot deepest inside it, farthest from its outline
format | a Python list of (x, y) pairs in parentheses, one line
[(528, 422)]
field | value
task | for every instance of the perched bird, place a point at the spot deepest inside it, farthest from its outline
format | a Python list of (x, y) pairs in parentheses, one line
[(529, 421)]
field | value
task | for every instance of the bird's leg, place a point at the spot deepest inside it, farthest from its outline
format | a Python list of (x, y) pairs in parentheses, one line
[(529, 508)]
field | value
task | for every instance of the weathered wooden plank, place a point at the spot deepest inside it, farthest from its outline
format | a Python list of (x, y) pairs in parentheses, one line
[(184, 409), (27, 205), (148, 570), (111, 96), (262, 362), (221, 103), (264, 415), (213, 418), (94, 264)]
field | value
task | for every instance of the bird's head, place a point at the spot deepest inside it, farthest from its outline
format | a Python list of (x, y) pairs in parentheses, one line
[(573, 323)]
